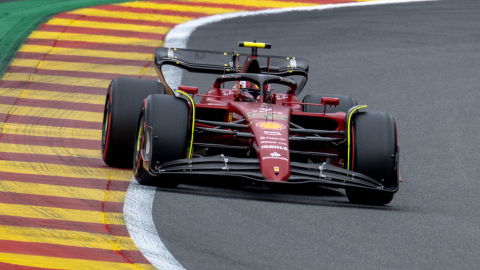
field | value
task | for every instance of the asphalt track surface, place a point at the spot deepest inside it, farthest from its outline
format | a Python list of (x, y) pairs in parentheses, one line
[(417, 61)]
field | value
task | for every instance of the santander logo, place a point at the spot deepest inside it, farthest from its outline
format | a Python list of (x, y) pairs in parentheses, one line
[(275, 154)]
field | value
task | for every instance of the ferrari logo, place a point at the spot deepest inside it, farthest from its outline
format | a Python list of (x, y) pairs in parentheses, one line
[(270, 125), (276, 169)]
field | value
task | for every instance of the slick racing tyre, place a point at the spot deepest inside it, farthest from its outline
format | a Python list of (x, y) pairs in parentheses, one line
[(374, 153), (120, 118), (162, 134), (345, 104)]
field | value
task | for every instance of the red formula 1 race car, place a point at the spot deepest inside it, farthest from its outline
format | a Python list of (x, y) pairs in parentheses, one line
[(249, 132)]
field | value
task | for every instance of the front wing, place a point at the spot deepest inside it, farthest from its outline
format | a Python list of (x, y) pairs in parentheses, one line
[(248, 170)]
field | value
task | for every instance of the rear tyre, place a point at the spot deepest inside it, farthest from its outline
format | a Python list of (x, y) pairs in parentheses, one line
[(374, 140), (162, 132), (345, 104), (120, 118)]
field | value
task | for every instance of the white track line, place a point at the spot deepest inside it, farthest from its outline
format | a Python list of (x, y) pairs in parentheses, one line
[(137, 211), (139, 199)]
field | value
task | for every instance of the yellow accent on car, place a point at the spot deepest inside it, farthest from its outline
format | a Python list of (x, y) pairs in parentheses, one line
[(254, 44), (349, 135), (193, 122), (271, 125)]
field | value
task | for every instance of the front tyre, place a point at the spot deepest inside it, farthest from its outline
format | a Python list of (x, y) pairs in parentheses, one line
[(374, 153), (162, 136), (122, 107)]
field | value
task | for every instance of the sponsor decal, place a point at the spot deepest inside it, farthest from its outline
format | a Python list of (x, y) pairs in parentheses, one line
[(275, 154), (231, 76), (271, 125), (289, 81), (275, 116), (274, 147), (282, 143), (237, 116), (272, 138), (256, 146), (228, 92), (273, 133), (281, 158), (265, 111)]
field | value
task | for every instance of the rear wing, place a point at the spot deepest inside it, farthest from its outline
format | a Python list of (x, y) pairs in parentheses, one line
[(215, 62)]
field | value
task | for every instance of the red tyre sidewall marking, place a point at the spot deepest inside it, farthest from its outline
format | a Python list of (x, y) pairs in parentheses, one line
[(109, 122)]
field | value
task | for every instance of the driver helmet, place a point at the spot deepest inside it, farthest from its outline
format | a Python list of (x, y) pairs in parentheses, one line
[(247, 84)]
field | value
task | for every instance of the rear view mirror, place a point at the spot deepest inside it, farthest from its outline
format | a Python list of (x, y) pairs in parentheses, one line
[(189, 89), (330, 101)]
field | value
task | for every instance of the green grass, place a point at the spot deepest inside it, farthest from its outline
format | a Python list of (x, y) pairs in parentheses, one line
[(18, 19)]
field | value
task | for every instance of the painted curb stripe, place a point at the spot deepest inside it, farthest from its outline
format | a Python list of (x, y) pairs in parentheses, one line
[(60, 263), (48, 150), (30, 211), (84, 67), (128, 22), (34, 102), (70, 253), (101, 32), (66, 181), (53, 87), (50, 141), (91, 45), (131, 15), (177, 14), (260, 4), (66, 238), (56, 80), (95, 56), (61, 191), (114, 230), (52, 113), (52, 159), (53, 96), (178, 7), (204, 4), (95, 39), (50, 131), (109, 26), (74, 74), (63, 170), (52, 202), (52, 122), (85, 58)]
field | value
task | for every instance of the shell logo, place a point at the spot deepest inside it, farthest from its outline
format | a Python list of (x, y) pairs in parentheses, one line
[(270, 125)]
